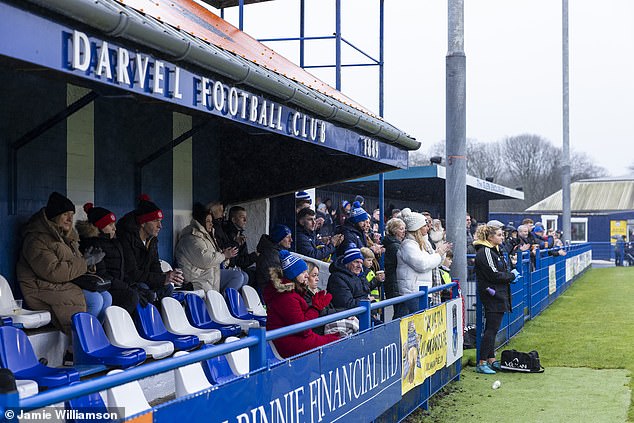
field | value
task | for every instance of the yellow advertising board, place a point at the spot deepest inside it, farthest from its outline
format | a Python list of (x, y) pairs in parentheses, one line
[(424, 346), (618, 228)]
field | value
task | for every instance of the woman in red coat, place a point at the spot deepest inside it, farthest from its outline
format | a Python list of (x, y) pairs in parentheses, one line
[(285, 306)]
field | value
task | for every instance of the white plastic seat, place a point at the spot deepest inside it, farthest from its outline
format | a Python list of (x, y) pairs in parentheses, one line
[(176, 322), (189, 379), (128, 397), (238, 360), (122, 333), (219, 312), (26, 388), (28, 319), (252, 300)]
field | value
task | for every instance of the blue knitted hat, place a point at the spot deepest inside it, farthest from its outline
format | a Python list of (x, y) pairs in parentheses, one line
[(352, 253), (292, 266), (279, 232), (357, 214), (303, 195)]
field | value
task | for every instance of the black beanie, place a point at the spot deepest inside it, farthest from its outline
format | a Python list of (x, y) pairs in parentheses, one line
[(99, 216), (199, 213), (58, 204), (146, 210)]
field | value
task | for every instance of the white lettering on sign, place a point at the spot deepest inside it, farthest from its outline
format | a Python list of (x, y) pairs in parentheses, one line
[(370, 148), (140, 71)]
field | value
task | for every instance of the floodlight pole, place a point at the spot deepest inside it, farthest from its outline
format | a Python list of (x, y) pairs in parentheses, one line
[(565, 159), (456, 140)]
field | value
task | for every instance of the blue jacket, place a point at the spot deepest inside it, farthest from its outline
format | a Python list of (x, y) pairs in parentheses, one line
[(306, 243), (347, 289), (351, 235)]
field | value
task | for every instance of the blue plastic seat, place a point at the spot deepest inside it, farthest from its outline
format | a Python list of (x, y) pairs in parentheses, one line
[(17, 355), (91, 402), (91, 346), (198, 316), (150, 325), (217, 369), (238, 308)]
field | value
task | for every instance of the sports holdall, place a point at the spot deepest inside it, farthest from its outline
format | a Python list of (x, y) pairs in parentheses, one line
[(517, 361)]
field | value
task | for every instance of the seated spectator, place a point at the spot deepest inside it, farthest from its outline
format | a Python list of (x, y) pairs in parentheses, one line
[(354, 229), (307, 242), (138, 231), (327, 228), (50, 260), (311, 289), (269, 248), (345, 283), (417, 261), (199, 256), (99, 231), (234, 230), (285, 307)]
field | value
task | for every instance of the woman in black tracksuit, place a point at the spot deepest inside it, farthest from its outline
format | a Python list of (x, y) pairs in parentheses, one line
[(493, 278)]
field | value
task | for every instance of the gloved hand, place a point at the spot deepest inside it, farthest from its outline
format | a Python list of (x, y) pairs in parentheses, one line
[(146, 296), (321, 300), (93, 256)]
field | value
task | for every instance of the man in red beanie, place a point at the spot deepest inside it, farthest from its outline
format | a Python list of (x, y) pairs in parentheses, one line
[(138, 231)]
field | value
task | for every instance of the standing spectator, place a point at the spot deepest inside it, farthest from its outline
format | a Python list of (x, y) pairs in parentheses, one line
[(269, 248), (417, 261), (619, 250), (470, 248), (307, 242), (327, 228), (354, 229), (494, 290), (436, 233), (200, 257), (138, 231), (343, 212), (99, 231), (50, 260), (395, 233), (345, 283), (375, 222), (302, 200), (285, 306)]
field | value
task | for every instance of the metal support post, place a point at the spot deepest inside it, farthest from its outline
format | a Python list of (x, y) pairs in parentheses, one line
[(257, 353), (365, 318)]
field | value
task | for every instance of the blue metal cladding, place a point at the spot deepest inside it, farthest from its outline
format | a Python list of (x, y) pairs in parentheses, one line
[(52, 46), (357, 378)]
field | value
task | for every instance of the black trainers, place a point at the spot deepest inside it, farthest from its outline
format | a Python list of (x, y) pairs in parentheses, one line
[(68, 359)]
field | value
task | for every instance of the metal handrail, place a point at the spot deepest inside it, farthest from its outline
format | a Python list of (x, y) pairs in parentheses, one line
[(255, 341)]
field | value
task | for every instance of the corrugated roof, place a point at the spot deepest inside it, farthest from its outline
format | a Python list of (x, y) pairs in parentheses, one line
[(592, 195)]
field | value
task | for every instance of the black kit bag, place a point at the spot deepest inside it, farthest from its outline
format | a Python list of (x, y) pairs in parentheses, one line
[(517, 361), (92, 282)]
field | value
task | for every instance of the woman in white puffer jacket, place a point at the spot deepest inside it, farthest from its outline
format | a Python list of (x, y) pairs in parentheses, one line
[(416, 259)]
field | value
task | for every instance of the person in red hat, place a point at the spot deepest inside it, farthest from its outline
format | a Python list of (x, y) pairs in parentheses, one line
[(138, 231), (99, 232)]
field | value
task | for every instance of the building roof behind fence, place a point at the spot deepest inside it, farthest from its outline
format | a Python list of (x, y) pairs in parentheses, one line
[(604, 194)]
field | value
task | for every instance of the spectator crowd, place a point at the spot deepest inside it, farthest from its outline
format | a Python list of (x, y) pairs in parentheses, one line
[(67, 267)]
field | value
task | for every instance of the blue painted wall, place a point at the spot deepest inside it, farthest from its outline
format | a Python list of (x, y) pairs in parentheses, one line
[(25, 101), (125, 133)]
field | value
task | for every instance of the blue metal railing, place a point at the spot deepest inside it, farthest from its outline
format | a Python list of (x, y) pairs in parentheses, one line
[(255, 341), (544, 277)]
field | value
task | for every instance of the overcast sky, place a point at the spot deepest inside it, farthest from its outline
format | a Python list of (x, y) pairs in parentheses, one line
[(513, 50)]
